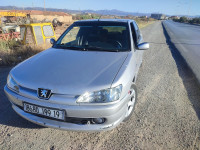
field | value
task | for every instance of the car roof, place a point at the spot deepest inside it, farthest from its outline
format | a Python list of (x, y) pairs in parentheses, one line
[(109, 20)]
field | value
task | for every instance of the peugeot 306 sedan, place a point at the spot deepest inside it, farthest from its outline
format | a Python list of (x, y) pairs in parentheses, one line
[(85, 82)]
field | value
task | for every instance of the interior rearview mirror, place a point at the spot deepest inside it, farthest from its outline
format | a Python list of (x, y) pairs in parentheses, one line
[(143, 46)]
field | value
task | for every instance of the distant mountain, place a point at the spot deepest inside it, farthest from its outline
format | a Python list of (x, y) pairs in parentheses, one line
[(197, 16), (101, 12)]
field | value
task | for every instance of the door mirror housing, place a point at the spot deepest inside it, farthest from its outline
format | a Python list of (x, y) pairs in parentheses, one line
[(143, 46), (52, 41)]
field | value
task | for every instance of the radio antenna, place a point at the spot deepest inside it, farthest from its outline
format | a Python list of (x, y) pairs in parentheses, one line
[(99, 17)]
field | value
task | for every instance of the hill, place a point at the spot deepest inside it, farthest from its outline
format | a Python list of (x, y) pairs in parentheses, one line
[(101, 12)]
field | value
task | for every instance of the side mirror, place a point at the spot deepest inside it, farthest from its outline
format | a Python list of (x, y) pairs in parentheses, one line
[(52, 41), (143, 46)]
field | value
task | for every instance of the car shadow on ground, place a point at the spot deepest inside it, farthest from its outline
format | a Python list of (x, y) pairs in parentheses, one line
[(174, 43), (189, 80), (8, 116), (11, 118)]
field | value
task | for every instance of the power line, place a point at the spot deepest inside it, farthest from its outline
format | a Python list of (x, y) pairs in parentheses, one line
[(189, 7), (44, 6)]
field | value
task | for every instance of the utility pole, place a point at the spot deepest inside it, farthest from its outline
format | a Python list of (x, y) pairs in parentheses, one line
[(190, 3), (44, 6), (177, 8)]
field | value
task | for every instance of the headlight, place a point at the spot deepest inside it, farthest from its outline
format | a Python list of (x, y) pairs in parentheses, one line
[(12, 84), (103, 96)]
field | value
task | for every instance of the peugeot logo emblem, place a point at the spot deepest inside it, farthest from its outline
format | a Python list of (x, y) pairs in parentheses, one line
[(44, 93)]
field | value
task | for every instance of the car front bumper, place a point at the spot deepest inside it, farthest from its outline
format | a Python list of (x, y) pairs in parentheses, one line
[(113, 113)]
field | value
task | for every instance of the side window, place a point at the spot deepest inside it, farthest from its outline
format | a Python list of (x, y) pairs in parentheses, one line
[(133, 34), (48, 31), (38, 34)]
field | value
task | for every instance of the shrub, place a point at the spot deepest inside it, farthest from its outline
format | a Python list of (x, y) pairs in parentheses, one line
[(195, 20), (183, 19), (11, 52)]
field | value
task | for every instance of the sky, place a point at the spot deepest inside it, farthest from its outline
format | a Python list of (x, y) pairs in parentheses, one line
[(169, 7)]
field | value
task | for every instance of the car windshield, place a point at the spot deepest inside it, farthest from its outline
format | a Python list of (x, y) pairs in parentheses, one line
[(96, 36)]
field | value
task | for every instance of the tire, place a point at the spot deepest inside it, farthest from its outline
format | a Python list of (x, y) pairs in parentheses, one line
[(131, 103)]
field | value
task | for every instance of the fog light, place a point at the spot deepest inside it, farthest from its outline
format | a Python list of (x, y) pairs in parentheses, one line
[(98, 120)]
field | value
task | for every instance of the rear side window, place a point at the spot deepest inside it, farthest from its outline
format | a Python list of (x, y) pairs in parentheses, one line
[(48, 31)]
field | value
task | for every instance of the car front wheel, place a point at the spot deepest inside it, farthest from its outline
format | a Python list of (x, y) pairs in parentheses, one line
[(132, 101)]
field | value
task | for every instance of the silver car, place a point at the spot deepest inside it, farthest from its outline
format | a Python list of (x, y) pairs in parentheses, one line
[(85, 82)]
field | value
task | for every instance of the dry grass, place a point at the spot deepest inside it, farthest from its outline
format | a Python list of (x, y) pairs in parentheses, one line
[(143, 23), (12, 52)]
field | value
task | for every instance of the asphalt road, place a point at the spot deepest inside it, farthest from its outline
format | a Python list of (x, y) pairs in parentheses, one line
[(186, 39), (166, 116)]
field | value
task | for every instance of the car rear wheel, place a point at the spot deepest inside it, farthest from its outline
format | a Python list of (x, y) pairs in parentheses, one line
[(132, 101)]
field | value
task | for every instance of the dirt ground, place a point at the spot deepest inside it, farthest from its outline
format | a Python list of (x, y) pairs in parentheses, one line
[(166, 116)]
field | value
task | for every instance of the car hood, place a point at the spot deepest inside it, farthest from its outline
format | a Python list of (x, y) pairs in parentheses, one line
[(69, 71)]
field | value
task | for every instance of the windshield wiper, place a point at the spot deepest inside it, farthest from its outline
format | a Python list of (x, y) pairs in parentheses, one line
[(70, 47), (86, 48), (96, 48)]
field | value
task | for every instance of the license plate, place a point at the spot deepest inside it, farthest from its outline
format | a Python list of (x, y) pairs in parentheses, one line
[(44, 111)]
